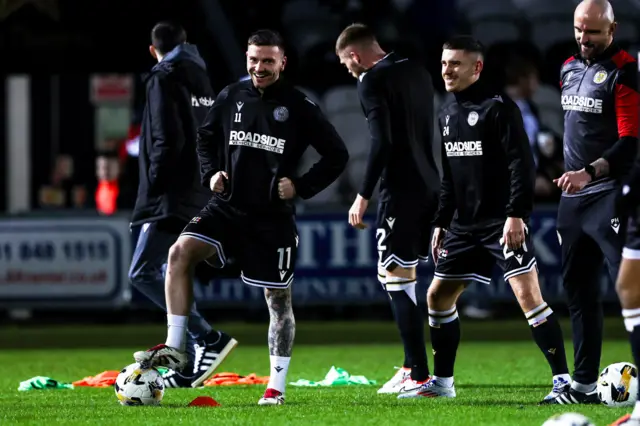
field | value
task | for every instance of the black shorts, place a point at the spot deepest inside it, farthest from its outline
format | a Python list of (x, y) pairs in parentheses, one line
[(264, 250), (403, 233), (472, 255), (631, 248)]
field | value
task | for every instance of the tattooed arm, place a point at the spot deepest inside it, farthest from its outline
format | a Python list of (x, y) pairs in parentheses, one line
[(601, 167), (282, 324)]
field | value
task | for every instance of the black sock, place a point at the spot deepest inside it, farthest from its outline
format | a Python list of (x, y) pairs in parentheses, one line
[(445, 338), (634, 337), (632, 324), (411, 326), (548, 336), (407, 361), (407, 358)]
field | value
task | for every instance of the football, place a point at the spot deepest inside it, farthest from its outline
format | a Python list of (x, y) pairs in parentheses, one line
[(568, 419), (139, 386), (618, 385)]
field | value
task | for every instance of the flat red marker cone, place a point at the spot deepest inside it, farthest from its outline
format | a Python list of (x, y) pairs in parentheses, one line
[(204, 401)]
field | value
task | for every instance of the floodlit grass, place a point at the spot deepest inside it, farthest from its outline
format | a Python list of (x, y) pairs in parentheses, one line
[(498, 383)]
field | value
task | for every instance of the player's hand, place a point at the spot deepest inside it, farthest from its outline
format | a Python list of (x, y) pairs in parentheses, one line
[(217, 182), (513, 233), (571, 182), (356, 212), (436, 243), (286, 189)]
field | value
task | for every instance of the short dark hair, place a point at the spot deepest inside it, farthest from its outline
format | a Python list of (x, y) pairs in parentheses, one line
[(266, 37), (354, 34), (165, 36), (464, 42)]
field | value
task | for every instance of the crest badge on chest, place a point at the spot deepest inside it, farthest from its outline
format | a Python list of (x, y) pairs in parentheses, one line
[(281, 113), (600, 77), (472, 118)]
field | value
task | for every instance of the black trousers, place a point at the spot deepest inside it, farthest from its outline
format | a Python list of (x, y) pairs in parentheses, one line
[(590, 232)]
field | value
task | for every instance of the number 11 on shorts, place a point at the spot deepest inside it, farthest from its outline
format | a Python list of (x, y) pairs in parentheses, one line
[(281, 252)]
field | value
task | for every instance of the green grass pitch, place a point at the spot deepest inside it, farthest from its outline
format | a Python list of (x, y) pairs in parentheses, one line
[(498, 382)]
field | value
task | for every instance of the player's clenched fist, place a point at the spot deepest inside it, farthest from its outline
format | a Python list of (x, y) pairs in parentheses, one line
[(286, 189), (217, 182)]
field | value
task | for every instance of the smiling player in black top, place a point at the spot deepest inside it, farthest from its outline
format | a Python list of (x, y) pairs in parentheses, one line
[(485, 203), (250, 147)]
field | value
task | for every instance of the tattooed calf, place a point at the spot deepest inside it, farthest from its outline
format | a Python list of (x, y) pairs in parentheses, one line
[(282, 324)]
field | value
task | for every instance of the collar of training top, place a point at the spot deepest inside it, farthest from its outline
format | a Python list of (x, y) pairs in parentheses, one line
[(271, 90), (608, 53), (477, 91), (391, 56)]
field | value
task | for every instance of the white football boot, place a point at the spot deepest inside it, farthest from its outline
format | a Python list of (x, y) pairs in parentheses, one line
[(162, 356), (430, 389), (395, 383), (271, 397)]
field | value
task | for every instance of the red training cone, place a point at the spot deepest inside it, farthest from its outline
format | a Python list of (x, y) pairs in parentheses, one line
[(204, 401)]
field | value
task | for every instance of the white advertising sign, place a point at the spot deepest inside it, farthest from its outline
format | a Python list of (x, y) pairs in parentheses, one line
[(64, 259)]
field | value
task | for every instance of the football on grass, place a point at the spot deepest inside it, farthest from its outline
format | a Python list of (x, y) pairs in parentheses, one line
[(618, 385), (139, 386)]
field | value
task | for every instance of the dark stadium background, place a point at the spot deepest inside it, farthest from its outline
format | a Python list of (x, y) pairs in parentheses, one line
[(52, 51)]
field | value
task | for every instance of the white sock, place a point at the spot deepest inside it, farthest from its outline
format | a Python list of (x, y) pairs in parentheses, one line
[(177, 331), (446, 382), (279, 368), (636, 411), (564, 377), (583, 388)]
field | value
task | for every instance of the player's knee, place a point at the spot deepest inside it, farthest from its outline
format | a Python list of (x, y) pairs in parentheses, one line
[(186, 253), (442, 295), (277, 294), (628, 291), (434, 292), (278, 300), (622, 289), (180, 256), (526, 289)]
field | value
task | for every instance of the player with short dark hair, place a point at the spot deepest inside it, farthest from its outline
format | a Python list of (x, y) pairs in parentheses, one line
[(355, 34), (600, 100), (166, 35), (178, 96), (266, 38), (250, 147), (466, 44), (396, 94), (485, 204)]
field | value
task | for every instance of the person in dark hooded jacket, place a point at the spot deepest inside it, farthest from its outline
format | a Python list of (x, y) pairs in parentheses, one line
[(178, 97)]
